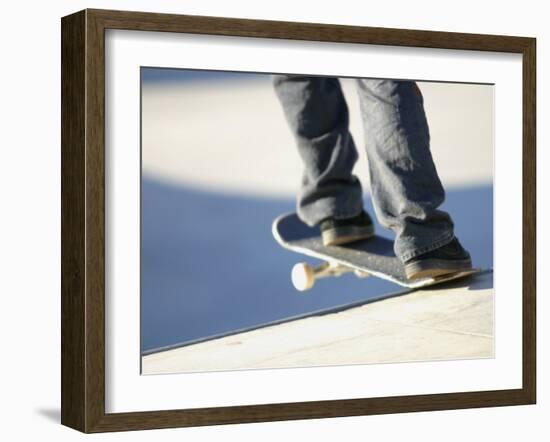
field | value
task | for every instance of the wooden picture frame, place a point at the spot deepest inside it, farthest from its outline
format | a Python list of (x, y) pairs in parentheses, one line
[(83, 220)]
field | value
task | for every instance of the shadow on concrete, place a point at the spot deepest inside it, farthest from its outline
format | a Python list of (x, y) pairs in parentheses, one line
[(209, 264), (481, 283), (482, 280)]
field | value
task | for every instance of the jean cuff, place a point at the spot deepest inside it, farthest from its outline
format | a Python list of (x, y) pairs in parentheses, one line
[(439, 242), (313, 214)]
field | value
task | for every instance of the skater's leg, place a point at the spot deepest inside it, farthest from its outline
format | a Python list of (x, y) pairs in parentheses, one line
[(406, 189), (317, 114)]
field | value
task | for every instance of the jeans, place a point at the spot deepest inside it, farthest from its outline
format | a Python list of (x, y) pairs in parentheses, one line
[(406, 190)]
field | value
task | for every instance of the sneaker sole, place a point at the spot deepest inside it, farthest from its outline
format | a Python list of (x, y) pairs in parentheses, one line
[(432, 268), (345, 235)]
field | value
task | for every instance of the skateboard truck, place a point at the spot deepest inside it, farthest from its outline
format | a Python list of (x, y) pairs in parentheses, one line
[(304, 276)]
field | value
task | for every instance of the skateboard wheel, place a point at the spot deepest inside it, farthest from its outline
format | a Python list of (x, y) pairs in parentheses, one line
[(302, 276)]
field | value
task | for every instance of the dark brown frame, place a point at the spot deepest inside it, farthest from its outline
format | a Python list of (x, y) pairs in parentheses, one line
[(83, 219)]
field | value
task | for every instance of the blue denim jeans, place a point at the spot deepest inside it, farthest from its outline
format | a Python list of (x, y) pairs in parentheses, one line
[(406, 190)]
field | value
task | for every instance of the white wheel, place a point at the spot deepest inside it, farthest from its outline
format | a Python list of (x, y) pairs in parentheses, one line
[(303, 276)]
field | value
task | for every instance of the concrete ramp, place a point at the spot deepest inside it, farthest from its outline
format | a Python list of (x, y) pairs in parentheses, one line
[(445, 322)]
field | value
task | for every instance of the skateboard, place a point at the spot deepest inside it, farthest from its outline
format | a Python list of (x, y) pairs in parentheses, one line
[(374, 256)]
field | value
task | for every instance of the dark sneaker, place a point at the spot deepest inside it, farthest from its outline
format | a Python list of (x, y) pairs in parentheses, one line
[(342, 231), (450, 258)]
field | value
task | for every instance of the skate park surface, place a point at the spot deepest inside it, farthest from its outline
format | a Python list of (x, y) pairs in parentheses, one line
[(219, 164), (432, 324)]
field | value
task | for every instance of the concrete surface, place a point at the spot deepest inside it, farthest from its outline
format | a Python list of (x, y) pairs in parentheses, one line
[(454, 321)]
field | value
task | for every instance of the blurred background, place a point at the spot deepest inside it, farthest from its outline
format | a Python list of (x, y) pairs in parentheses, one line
[(219, 164)]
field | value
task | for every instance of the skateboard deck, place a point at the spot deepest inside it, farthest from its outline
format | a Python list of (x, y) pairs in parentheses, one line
[(374, 256)]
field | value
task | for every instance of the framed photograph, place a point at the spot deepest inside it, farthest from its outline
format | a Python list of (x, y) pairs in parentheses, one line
[(270, 220)]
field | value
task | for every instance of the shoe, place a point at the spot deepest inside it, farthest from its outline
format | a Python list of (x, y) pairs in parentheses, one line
[(342, 231), (450, 258)]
